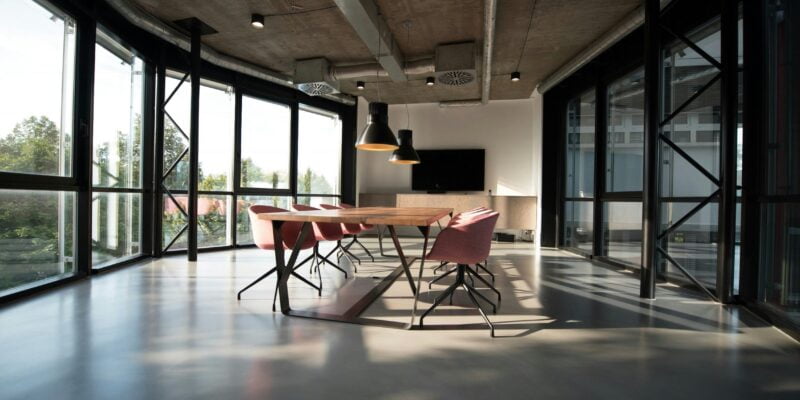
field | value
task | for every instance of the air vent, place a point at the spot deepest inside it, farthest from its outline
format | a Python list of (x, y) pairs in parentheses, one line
[(456, 78), (316, 88), (313, 77), (455, 63)]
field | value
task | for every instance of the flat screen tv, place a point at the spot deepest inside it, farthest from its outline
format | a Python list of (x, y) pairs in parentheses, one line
[(449, 170)]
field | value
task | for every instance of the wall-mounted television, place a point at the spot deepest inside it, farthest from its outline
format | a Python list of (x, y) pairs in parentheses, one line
[(449, 170)]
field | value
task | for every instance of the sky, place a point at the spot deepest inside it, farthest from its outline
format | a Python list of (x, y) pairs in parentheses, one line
[(31, 77)]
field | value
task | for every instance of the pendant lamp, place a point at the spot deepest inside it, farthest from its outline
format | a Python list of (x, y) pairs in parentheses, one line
[(405, 154), (377, 135)]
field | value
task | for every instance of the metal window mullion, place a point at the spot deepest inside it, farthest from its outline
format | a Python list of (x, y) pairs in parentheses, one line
[(693, 46)]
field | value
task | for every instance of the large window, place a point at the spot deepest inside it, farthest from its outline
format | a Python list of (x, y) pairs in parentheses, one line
[(696, 131), (625, 130), (36, 120), (117, 152), (37, 79), (266, 144), (779, 283), (215, 170), (579, 189), (319, 156)]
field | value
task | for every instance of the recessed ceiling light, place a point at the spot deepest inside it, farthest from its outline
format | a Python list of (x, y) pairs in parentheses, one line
[(360, 85), (515, 76), (430, 81), (257, 21)]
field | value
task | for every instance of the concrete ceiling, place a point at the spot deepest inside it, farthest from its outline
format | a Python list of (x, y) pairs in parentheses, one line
[(300, 29)]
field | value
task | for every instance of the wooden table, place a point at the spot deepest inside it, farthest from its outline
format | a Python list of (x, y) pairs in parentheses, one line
[(422, 218)]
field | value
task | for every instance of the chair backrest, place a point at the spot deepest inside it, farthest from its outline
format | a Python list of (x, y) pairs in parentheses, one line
[(322, 230), (466, 241), (262, 229), (469, 214), (347, 229), (345, 205)]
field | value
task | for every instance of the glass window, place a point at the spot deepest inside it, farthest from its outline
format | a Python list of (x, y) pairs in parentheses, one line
[(319, 156), (623, 232), (578, 225), (694, 243), (36, 237), (779, 264), (687, 72), (217, 114), (315, 201), (212, 220), (580, 146), (266, 144), (117, 128), (176, 131), (624, 162), (780, 258), (116, 219), (243, 233), (37, 78)]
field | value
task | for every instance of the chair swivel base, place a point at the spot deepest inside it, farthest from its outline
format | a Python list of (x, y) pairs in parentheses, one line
[(461, 271), (293, 273)]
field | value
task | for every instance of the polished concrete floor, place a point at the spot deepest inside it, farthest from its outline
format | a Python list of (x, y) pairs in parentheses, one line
[(566, 329)]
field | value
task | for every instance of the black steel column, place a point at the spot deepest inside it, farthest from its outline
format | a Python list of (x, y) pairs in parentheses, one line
[(600, 148), (728, 140), (754, 114), (158, 160), (652, 155), (194, 139), (148, 171), (82, 160)]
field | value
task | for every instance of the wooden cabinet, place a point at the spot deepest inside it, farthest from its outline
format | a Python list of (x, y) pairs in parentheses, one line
[(516, 212)]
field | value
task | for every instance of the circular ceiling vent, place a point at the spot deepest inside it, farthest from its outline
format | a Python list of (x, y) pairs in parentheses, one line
[(315, 88), (456, 78)]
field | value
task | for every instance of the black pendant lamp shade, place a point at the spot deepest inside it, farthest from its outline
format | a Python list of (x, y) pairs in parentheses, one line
[(406, 153), (377, 135)]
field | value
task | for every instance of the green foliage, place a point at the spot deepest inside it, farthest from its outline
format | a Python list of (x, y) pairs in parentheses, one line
[(29, 232), (32, 147)]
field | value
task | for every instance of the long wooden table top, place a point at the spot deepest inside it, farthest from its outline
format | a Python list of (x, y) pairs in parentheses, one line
[(409, 216)]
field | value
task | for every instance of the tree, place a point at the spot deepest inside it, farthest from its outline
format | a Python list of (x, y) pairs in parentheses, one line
[(29, 232), (31, 147)]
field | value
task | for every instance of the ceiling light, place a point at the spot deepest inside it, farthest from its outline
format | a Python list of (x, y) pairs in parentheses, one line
[(377, 135), (405, 154), (360, 85), (257, 21), (430, 81), (515, 76)]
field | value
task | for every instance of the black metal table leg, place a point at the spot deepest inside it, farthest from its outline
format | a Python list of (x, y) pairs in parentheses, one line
[(285, 269), (425, 230), (403, 260)]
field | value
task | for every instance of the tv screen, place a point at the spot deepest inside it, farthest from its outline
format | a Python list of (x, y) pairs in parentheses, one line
[(448, 170)]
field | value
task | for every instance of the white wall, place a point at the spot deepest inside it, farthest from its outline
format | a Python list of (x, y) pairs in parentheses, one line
[(509, 131)]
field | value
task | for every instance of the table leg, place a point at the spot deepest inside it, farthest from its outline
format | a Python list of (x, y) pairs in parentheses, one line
[(403, 260), (425, 230), (285, 269)]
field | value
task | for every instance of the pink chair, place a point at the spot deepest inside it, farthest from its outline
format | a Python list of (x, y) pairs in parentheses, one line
[(325, 232), (351, 230), (458, 217), (264, 239), (364, 227), (465, 242)]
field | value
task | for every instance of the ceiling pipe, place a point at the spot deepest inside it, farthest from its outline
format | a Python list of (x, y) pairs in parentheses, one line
[(489, 17), (158, 28), (358, 71), (628, 24)]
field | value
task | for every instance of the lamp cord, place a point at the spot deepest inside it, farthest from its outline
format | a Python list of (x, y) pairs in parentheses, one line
[(378, 58), (524, 44), (405, 65)]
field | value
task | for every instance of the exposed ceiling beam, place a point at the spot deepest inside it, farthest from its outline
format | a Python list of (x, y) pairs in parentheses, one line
[(364, 17)]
